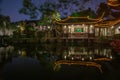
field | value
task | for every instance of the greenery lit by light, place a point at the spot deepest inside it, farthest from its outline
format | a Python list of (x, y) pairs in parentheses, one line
[(79, 30), (57, 16), (75, 15), (86, 13)]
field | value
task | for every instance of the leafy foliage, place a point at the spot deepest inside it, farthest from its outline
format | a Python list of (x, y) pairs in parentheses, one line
[(103, 7), (29, 9), (48, 19), (4, 21), (64, 7), (85, 13), (52, 10)]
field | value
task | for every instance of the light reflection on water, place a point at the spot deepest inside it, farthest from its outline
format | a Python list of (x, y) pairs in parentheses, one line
[(57, 61)]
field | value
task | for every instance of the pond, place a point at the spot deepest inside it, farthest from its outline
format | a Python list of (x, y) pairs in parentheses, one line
[(59, 62)]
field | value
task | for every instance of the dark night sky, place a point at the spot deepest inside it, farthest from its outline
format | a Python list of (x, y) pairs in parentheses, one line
[(11, 8)]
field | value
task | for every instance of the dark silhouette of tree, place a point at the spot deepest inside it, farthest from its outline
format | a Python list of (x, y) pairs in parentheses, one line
[(64, 7), (29, 9), (103, 7), (4, 21), (88, 12)]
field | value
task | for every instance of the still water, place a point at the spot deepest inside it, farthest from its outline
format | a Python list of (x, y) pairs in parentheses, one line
[(59, 62)]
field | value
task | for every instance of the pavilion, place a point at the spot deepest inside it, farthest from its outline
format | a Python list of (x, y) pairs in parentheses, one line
[(87, 27)]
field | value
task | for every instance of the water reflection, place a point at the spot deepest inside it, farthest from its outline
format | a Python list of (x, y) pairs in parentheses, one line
[(6, 53), (57, 61), (86, 53)]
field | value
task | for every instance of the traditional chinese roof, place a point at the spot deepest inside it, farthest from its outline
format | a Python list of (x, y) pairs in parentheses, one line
[(97, 22), (80, 20), (107, 23), (115, 4), (116, 14)]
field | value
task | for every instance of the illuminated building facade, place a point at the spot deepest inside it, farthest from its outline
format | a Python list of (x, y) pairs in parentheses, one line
[(89, 28)]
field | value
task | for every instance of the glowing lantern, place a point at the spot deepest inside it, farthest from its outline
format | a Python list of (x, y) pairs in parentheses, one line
[(115, 4), (23, 53)]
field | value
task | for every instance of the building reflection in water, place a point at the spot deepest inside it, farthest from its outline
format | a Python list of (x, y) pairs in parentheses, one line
[(84, 56), (83, 53), (53, 57)]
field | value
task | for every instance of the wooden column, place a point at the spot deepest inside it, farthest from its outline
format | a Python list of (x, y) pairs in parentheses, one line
[(88, 32), (99, 32)]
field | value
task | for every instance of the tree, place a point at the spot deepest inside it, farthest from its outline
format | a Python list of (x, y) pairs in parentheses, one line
[(88, 12), (4, 21), (49, 17), (103, 7), (64, 7), (29, 9), (5, 24)]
